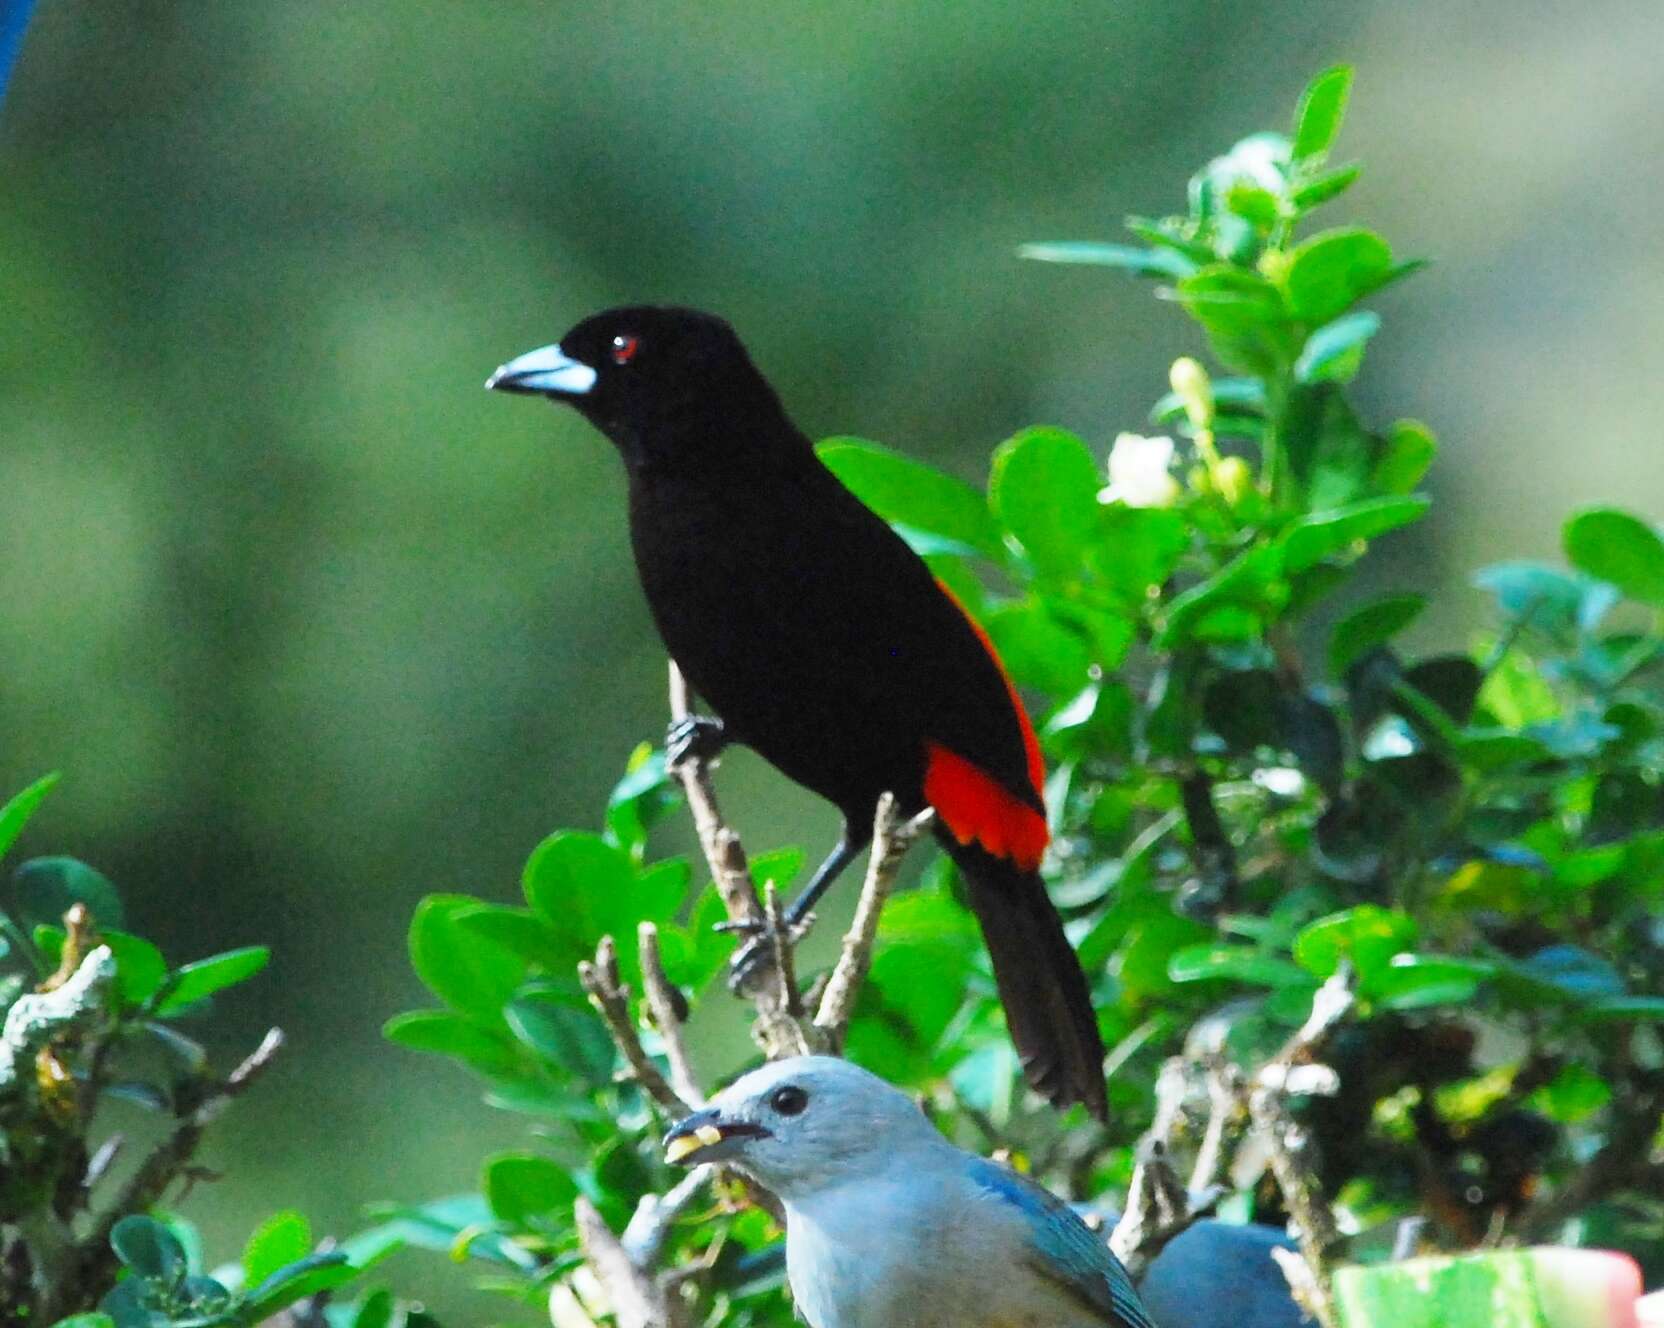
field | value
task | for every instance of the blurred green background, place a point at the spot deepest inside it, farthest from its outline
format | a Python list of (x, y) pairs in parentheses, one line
[(314, 626)]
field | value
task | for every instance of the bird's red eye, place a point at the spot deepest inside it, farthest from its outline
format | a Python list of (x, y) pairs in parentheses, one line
[(624, 349)]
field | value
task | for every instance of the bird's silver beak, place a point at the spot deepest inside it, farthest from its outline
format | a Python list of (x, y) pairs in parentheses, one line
[(545, 371), (703, 1132)]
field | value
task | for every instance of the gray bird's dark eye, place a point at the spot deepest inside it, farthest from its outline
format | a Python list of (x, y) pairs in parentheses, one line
[(789, 1101)]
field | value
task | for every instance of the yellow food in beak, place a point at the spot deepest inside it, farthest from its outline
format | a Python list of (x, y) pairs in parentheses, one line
[(683, 1144)]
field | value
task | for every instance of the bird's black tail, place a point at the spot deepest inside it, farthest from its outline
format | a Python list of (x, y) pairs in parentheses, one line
[(1048, 1006)]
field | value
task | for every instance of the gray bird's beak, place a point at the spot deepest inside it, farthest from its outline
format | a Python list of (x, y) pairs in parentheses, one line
[(545, 371), (703, 1133)]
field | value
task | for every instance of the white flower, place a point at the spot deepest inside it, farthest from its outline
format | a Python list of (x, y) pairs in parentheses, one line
[(1138, 472)]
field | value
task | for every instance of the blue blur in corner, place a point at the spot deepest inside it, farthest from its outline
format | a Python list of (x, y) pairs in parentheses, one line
[(14, 17)]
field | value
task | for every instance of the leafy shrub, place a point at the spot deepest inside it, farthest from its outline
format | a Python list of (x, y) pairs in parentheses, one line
[(1244, 801)]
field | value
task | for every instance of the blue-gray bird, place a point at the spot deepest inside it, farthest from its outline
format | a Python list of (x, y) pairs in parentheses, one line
[(887, 1223)]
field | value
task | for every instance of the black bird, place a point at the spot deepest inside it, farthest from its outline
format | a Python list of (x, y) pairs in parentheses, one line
[(824, 643)]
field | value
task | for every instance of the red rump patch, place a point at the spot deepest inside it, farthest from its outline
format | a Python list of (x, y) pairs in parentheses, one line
[(975, 805)]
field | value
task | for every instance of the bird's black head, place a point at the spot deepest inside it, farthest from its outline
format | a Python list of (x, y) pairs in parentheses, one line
[(663, 383)]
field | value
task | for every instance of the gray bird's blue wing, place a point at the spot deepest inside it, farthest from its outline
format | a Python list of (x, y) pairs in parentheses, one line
[(1064, 1249)]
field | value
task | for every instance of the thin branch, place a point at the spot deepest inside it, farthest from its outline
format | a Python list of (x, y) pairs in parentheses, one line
[(611, 998), (779, 935), (721, 846), (1158, 1209), (662, 1001), (94, 1262), (634, 1296), (890, 841), (1289, 1145), (650, 1224)]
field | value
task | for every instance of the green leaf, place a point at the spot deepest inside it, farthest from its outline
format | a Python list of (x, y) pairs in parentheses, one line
[(1138, 547), (1368, 936), (913, 494), (1333, 270), (639, 800), (375, 1310), (1251, 581), (519, 1186), (16, 813), (306, 1277), (1615, 546), (1371, 625), (1197, 963), (1405, 458), (1626, 1007), (1243, 315), (282, 1239), (1039, 651), (1322, 534), (1127, 257), (1044, 490), (149, 1249), (470, 973), (558, 1025), (1573, 1095), (86, 1321), (1412, 982), (1322, 188), (44, 889), (194, 982), (448, 1034), (140, 968), (1334, 351), (1322, 108)]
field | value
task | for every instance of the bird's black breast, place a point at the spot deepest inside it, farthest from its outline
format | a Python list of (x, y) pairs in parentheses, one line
[(817, 635)]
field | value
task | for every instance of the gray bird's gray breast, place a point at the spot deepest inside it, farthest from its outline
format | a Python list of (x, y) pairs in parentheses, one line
[(893, 1254)]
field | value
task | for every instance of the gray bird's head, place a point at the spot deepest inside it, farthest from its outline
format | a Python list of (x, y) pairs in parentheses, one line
[(797, 1126)]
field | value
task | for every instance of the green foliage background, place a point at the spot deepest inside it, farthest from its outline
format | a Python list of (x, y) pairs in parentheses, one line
[(316, 628)]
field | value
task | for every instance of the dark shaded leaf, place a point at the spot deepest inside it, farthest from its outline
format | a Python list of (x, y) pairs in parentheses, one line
[(1371, 625), (44, 889)]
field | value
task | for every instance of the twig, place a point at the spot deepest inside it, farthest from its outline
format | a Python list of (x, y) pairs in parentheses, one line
[(1288, 1144), (667, 1018), (1225, 1119), (612, 999), (780, 945), (93, 1261), (890, 841), (634, 1296), (721, 846), (650, 1224), (1158, 1209)]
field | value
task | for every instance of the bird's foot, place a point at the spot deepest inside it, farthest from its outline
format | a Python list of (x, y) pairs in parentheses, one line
[(755, 960), (695, 738)]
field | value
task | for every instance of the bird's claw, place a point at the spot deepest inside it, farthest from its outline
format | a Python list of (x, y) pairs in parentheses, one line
[(755, 959), (694, 738)]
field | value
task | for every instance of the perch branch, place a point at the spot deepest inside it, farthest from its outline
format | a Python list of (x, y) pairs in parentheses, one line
[(721, 846), (611, 998), (890, 841), (634, 1296), (666, 1007), (1294, 1069), (1158, 1209), (650, 1224)]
